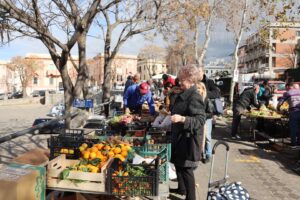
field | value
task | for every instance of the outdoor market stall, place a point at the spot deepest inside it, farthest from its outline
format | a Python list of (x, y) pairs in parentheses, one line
[(126, 158), (274, 124)]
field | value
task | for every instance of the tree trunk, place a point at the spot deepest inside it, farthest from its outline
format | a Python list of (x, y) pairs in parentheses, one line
[(195, 44), (24, 91), (207, 39), (236, 58)]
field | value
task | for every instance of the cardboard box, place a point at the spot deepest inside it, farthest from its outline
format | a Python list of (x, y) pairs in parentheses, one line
[(35, 156), (20, 182)]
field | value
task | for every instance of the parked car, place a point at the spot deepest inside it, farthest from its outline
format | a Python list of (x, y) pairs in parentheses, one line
[(57, 110), (54, 127), (2, 96), (38, 93), (17, 95)]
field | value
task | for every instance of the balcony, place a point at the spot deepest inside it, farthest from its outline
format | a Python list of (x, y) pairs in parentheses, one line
[(256, 55)]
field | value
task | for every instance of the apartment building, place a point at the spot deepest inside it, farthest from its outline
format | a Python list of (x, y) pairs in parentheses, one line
[(273, 52), (122, 66), (46, 76), (149, 67)]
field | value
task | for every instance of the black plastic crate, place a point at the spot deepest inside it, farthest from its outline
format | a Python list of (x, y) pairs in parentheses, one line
[(133, 185), (59, 146), (73, 132), (159, 136), (67, 145), (104, 132)]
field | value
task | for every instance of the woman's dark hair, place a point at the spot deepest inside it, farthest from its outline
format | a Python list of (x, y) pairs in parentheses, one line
[(165, 77)]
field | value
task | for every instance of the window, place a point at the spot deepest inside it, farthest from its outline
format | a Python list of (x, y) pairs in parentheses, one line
[(298, 33), (119, 77), (51, 81), (35, 80)]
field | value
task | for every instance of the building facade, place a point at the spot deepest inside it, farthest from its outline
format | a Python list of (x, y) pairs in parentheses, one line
[(149, 67), (122, 66), (46, 76), (8, 79), (214, 68), (272, 52)]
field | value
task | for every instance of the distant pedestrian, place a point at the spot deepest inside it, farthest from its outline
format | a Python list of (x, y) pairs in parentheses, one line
[(128, 83)]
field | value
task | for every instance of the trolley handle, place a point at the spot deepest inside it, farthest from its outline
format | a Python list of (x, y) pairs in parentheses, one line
[(218, 183), (219, 143)]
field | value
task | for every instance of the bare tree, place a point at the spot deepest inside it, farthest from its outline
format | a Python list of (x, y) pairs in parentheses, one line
[(240, 18), (59, 25), (133, 17), (25, 69)]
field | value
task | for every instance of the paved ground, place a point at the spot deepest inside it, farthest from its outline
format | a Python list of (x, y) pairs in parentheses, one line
[(15, 118), (265, 173)]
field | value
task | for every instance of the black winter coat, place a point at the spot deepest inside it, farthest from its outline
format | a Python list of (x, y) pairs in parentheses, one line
[(246, 99), (212, 90), (187, 136)]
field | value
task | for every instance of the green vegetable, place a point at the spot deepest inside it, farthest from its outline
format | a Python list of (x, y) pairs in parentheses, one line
[(64, 174), (95, 161)]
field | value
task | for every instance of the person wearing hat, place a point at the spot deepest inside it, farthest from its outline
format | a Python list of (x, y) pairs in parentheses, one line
[(135, 96)]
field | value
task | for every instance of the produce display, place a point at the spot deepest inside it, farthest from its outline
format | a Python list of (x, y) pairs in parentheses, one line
[(122, 119), (132, 180), (264, 112)]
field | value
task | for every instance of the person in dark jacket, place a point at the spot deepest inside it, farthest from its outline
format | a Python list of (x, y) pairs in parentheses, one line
[(212, 92), (245, 100), (128, 83), (267, 94), (188, 118)]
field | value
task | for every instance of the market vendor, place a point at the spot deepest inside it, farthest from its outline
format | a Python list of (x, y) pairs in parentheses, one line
[(292, 96), (245, 100), (135, 96)]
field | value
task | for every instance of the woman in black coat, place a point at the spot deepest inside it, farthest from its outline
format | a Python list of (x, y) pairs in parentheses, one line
[(188, 118)]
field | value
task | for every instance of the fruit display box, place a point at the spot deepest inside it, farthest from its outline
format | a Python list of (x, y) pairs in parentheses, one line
[(133, 185), (76, 180)]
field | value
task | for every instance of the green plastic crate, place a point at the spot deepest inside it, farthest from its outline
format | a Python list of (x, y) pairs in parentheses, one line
[(153, 150)]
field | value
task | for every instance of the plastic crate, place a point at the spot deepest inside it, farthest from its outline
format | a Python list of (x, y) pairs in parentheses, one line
[(59, 144), (131, 140), (157, 150), (72, 132), (133, 185)]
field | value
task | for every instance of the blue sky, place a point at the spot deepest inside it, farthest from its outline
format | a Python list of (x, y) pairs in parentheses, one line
[(221, 45)]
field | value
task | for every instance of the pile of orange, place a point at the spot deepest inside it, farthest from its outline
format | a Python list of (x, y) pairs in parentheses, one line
[(104, 151)]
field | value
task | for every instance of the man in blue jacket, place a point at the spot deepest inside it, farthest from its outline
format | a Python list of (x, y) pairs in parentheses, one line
[(135, 96)]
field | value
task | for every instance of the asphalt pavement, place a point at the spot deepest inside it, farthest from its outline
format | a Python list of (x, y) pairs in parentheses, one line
[(266, 174)]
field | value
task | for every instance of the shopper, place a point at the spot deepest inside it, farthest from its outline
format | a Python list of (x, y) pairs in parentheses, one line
[(245, 100), (292, 96), (167, 79), (267, 93), (128, 83), (135, 96), (213, 92), (188, 118)]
